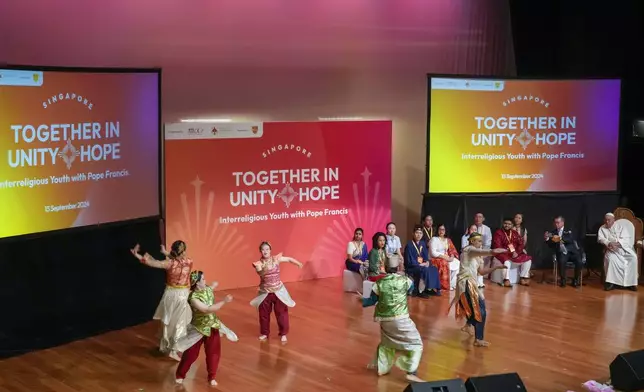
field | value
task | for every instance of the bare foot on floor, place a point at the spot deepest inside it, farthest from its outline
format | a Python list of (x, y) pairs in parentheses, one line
[(414, 378), (467, 329), (481, 343)]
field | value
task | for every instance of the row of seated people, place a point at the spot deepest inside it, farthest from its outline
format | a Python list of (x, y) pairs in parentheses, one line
[(430, 257), (432, 253)]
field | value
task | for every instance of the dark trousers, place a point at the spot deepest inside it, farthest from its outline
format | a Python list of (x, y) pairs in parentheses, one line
[(562, 262), (479, 326), (428, 275)]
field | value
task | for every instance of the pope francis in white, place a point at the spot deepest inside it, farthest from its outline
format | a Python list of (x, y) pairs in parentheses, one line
[(620, 258)]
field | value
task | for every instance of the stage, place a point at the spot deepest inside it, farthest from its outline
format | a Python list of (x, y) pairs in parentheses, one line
[(554, 338)]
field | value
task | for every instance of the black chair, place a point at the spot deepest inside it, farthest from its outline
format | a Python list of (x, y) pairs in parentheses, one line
[(570, 264)]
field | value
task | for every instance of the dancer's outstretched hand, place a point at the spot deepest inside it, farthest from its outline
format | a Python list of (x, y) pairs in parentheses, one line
[(135, 251), (228, 298), (499, 251), (214, 285)]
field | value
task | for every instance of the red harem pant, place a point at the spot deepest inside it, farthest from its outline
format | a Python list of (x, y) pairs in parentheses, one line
[(443, 271), (377, 277), (213, 354), (270, 303)]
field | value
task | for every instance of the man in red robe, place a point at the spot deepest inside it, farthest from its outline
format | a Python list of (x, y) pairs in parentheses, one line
[(507, 238)]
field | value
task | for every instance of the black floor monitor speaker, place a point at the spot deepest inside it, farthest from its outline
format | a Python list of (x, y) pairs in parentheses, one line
[(455, 385), (495, 383), (627, 371)]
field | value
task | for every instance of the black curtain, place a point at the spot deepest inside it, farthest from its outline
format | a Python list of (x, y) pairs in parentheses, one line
[(69, 285), (581, 39), (583, 214)]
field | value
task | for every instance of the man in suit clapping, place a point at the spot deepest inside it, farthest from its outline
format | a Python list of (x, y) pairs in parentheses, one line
[(562, 241)]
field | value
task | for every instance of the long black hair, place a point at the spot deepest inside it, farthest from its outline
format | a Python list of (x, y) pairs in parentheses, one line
[(375, 240)]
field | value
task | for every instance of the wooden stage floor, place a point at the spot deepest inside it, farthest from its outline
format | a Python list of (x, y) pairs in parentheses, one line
[(554, 338)]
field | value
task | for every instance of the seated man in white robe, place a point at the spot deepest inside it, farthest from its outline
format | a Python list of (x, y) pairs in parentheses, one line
[(620, 258)]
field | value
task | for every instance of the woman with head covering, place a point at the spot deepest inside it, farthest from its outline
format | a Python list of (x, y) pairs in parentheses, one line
[(469, 299), (205, 329), (173, 310), (273, 296)]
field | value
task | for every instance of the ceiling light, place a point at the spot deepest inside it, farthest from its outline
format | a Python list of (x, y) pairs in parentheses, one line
[(206, 120), (340, 118)]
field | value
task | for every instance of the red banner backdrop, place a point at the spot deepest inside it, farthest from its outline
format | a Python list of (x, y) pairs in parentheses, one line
[(302, 186)]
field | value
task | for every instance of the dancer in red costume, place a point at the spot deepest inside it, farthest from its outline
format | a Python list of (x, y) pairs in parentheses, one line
[(273, 296), (508, 238), (173, 310)]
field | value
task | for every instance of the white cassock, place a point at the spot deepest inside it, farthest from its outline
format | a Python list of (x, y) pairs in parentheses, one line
[(437, 248), (621, 264)]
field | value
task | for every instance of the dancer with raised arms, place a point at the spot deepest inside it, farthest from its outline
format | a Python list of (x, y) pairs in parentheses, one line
[(273, 296), (469, 298), (173, 310)]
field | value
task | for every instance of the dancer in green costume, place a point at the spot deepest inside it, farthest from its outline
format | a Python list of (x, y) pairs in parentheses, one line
[(398, 333)]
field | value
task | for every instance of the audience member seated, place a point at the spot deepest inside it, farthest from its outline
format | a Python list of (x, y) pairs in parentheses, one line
[(418, 267), (428, 229), (394, 246), (357, 254), (508, 238), (465, 239), (445, 258), (377, 257), (620, 257), (562, 241)]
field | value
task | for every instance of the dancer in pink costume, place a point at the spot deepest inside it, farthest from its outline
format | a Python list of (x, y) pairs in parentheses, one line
[(273, 296)]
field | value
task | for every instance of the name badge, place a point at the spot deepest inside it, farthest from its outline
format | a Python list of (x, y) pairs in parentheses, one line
[(420, 260), (511, 248)]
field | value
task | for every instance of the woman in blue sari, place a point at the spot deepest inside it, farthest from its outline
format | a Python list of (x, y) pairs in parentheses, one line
[(418, 266), (357, 254)]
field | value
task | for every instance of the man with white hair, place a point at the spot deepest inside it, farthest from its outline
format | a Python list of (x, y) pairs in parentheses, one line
[(620, 259)]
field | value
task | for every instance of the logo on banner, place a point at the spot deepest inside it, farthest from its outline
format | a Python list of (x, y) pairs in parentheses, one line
[(214, 131), (254, 129)]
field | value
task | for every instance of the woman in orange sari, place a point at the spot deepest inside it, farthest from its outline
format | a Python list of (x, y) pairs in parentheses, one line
[(444, 258)]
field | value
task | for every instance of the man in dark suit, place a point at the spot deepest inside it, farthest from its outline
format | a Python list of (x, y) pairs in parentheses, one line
[(563, 242)]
